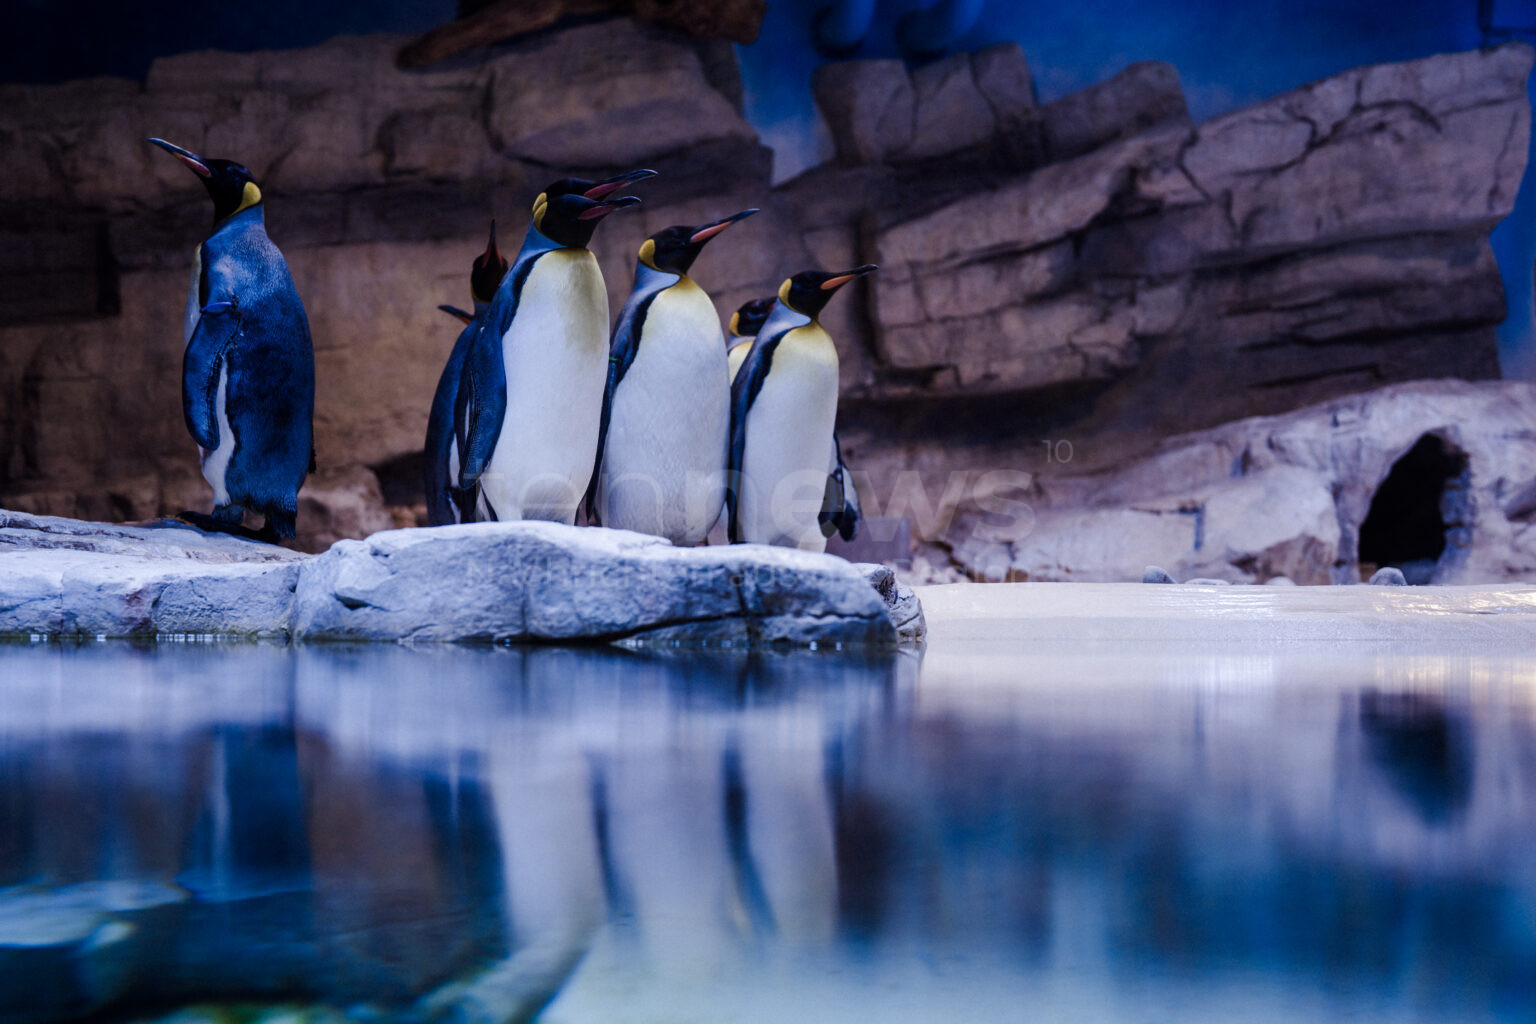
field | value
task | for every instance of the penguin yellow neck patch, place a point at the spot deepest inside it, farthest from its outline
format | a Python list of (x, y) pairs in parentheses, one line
[(249, 196)]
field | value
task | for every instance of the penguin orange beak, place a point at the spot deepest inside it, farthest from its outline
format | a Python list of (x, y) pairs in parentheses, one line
[(186, 156), (456, 313), (834, 283), (604, 209), (608, 186), (709, 231)]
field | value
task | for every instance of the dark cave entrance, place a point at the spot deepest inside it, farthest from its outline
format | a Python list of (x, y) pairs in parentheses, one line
[(400, 483), (1418, 511)]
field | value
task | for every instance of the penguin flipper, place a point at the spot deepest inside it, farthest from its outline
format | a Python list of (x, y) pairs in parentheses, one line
[(848, 519), (744, 391), (840, 513), (589, 500), (621, 355), (483, 399), (217, 328)]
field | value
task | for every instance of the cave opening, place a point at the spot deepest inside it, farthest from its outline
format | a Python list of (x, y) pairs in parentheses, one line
[(400, 484), (1418, 511)]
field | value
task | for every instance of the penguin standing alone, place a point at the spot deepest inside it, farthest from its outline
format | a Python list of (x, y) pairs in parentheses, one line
[(783, 416), (248, 372), (445, 502), (532, 392), (666, 411), (840, 510)]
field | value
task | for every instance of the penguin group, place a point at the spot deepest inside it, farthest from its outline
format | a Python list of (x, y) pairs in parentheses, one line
[(660, 425)]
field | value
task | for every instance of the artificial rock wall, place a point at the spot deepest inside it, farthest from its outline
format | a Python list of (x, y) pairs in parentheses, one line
[(1096, 268)]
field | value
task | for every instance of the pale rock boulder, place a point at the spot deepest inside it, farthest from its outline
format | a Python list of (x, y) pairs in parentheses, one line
[(63, 577), (547, 581), (537, 582)]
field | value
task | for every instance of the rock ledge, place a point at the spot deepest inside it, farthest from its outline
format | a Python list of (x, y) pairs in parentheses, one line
[(486, 582)]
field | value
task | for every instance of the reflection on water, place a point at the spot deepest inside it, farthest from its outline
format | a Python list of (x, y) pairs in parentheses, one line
[(1005, 834)]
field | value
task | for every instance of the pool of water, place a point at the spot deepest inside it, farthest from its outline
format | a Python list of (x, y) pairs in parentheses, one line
[(992, 832)]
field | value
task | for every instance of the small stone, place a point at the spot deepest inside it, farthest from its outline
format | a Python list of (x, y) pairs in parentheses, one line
[(531, 581), (901, 602), (1156, 574), (1279, 581), (1388, 576)]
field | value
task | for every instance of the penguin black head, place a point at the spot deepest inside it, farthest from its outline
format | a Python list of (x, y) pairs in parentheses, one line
[(749, 319), (591, 189), (673, 250), (571, 219), (809, 291), (229, 184), (486, 272)]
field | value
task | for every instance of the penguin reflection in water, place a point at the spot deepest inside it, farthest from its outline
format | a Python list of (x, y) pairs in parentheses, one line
[(248, 371), (659, 472), (840, 511), (532, 392), (783, 417), (446, 503)]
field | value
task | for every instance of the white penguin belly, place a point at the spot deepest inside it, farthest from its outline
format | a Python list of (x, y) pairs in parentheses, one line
[(216, 462), (789, 431), (556, 357), (664, 460)]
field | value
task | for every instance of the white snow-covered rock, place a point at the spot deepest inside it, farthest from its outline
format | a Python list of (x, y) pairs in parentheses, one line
[(65, 577), (481, 582), (545, 581)]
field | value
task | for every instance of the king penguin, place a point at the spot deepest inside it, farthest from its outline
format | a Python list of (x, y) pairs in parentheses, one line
[(445, 502), (840, 510), (248, 371), (783, 417), (744, 325), (532, 393), (667, 408)]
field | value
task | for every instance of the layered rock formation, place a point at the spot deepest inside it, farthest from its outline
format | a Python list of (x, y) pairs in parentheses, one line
[(1439, 477), (1096, 269)]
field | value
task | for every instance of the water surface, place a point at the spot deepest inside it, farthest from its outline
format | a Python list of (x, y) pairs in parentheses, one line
[(996, 832)]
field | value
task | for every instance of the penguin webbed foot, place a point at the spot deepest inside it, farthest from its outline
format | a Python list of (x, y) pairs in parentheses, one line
[(225, 519)]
